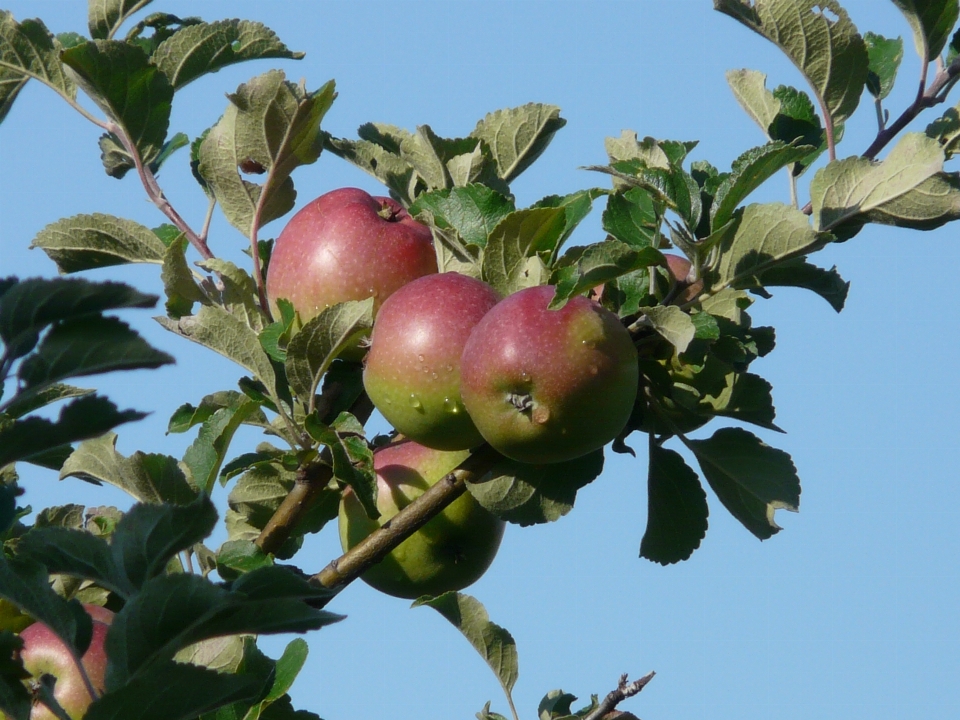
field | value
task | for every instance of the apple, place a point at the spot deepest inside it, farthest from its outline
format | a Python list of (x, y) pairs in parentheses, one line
[(679, 269), (347, 245), (412, 370), (544, 385), (450, 552), (45, 654)]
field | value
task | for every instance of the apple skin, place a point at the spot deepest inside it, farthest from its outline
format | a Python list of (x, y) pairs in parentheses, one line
[(546, 386), (450, 552), (44, 653), (347, 245), (412, 370), (679, 269)]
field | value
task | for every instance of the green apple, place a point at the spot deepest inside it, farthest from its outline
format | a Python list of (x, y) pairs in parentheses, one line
[(450, 552)]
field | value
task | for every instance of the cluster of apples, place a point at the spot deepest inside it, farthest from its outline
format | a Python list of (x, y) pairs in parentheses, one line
[(452, 365)]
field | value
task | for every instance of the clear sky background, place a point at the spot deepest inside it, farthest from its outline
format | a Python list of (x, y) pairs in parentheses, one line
[(850, 612)]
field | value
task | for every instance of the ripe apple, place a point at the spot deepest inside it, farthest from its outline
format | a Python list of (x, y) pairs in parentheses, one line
[(45, 654), (448, 553), (412, 370), (546, 386), (679, 269), (347, 245)]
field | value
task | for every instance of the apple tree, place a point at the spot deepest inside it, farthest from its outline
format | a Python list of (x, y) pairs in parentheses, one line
[(507, 358)]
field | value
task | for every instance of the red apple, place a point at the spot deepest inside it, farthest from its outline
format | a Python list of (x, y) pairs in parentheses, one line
[(679, 269), (412, 371), (347, 245), (545, 386), (45, 654), (448, 553)]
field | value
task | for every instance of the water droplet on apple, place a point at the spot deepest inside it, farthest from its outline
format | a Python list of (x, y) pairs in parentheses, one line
[(415, 402), (449, 368), (420, 358), (451, 406), (594, 370), (434, 376)]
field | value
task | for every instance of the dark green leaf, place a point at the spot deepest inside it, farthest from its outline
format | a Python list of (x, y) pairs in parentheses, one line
[(180, 140), (932, 22), (207, 453), (83, 418), (799, 273), (530, 494), (597, 264), (352, 458), (203, 48), (885, 55), (631, 218), (76, 553), (749, 400), (676, 508), (472, 211), (28, 50), (20, 406), (752, 479), (240, 556)]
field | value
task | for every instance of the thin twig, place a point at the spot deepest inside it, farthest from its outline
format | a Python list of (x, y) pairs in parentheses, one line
[(625, 689), (372, 549)]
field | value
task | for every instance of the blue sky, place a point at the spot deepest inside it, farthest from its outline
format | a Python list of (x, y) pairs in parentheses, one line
[(850, 612)]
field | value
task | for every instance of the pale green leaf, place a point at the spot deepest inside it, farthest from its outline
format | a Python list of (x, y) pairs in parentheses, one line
[(84, 242), (384, 164), (104, 17), (206, 454), (750, 89), (518, 136), (672, 323), (28, 49), (932, 22), (946, 130), (179, 283), (932, 203), (510, 260)]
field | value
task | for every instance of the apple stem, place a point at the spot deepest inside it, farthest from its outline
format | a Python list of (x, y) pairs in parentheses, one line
[(372, 549)]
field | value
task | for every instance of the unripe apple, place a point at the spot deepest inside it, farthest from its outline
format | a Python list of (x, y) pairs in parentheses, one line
[(546, 386), (679, 269), (45, 654), (412, 371), (450, 552), (347, 245)]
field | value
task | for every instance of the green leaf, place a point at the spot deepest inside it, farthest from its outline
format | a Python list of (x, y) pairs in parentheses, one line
[(179, 283), (310, 351), (797, 272), (750, 89), (885, 55), (820, 39), (274, 123), (26, 584), (84, 242), (29, 306), (473, 211), (510, 260), (206, 454), (846, 189), (576, 205), (124, 84), (946, 130), (83, 418), (518, 136), (749, 172), (676, 508), (149, 535), (87, 346), (217, 329), (597, 264), (289, 665), (178, 141), (752, 479), (203, 48), (186, 416), (672, 323), (104, 17), (28, 50), (76, 553), (764, 236), (798, 123), (384, 164), (148, 696), (630, 217), (672, 187), (932, 22), (531, 494), (20, 406), (148, 478), (352, 457), (934, 202), (494, 643), (240, 556), (748, 398)]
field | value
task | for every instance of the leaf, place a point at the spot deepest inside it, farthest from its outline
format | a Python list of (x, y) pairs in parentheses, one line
[(277, 125), (29, 306), (28, 50), (149, 535), (187, 416), (932, 22), (531, 494), (845, 189), (318, 343), (174, 691), (820, 39), (215, 328), (76, 553), (946, 130), (672, 323), (748, 399), (124, 84), (797, 272), (428, 154), (203, 48), (672, 187), (510, 261), (752, 479), (494, 643), (207, 453), (83, 418), (676, 508), (20, 406), (749, 172), (885, 55), (289, 665), (631, 218), (472, 211), (384, 164), (597, 264), (179, 283), (104, 17), (576, 205), (11, 83), (764, 236), (934, 202), (240, 556), (26, 584), (749, 88), (87, 346), (84, 242), (352, 457), (149, 478), (518, 136)]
